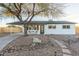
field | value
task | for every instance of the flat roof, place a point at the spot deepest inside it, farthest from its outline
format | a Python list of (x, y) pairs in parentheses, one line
[(44, 22)]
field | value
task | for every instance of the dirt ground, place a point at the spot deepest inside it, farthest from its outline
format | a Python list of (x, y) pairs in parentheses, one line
[(22, 46)]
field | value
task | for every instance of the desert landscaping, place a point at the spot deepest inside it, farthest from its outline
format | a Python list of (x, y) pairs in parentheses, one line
[(39, 29), (43, 46), (24, 45)]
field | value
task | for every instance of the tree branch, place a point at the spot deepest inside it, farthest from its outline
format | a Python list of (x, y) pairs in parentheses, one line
[(19, 17), (18, 7), (14, 13), (32, 13), (30, 16), (26, 19), (15, 5), (9, 9), (40, 12)]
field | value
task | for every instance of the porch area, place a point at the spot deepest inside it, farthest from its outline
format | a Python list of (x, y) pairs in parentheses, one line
[(35, 29)]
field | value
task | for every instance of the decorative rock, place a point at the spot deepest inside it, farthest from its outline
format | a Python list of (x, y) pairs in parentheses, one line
[(36, 40), (66, 51), (66, 55)]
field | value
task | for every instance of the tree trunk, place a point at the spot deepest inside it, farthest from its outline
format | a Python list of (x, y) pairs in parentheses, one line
[(25, 29)]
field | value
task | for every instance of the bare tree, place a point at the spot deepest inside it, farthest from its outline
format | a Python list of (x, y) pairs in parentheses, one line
[(30, 10)]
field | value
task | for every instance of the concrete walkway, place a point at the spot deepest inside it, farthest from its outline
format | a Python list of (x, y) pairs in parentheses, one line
[(7, 39), (65, 50)]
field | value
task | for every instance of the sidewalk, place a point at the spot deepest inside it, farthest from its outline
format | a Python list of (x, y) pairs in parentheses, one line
[(7, 39)]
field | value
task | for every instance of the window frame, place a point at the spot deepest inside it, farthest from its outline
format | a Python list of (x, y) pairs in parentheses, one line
[(52, 26), (66, 26)]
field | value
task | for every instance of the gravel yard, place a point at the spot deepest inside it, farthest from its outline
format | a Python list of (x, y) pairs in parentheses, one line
[(71, 41), (22, 46)]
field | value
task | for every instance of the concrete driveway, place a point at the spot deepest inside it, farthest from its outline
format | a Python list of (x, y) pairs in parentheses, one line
[(7, 39)]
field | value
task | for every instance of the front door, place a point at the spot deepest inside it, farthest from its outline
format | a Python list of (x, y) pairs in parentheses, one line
[(41, 29)]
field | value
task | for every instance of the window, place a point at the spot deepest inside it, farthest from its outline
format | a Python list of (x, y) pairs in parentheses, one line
[(52, 26), (66, 26), (33, 27), (49, 27)]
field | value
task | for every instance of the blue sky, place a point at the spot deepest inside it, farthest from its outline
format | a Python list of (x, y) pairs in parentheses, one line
[(71, 11)]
